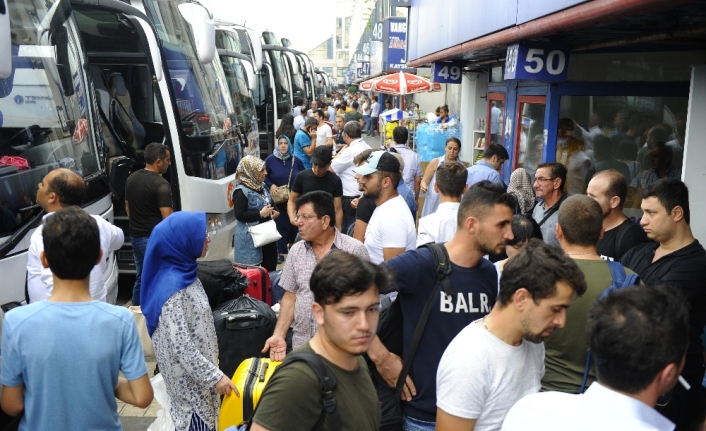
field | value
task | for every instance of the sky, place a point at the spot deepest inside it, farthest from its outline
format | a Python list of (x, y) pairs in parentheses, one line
[(304, 22)]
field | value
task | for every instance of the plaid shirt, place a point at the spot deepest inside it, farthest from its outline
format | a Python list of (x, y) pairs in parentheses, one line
[(296, 274), (649, 176)]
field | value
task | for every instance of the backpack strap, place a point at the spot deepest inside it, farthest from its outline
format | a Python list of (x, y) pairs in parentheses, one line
[(620, 280)]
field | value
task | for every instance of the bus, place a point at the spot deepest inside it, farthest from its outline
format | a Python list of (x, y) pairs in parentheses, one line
[(158, 78), (47, 120)]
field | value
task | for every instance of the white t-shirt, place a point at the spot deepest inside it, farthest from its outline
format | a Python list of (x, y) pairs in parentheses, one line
[(481, 377), (439, 226), (343, 166), (391, 226), (323, 132)]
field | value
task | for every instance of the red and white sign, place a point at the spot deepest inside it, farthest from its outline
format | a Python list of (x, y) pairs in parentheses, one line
[(81, 131)]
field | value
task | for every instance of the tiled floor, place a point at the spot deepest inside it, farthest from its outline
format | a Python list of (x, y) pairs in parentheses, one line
[(129, 411)]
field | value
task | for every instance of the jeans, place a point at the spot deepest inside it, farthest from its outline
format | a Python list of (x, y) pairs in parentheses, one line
[(366, 118), (139, 246), (411, 424)]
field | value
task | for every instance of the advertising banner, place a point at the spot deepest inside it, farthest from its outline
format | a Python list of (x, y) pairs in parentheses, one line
[(395, 45)]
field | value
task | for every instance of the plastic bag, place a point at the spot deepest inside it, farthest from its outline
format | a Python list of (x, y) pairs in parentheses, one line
[(164, 419), (145, 339)]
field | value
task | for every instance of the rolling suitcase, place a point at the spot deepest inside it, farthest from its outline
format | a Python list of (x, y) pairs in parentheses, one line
[(259, 278), (221, 281), (242, 327)]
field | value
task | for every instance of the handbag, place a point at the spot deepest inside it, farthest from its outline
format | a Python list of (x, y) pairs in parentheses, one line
[(282, 194), (264, 233)]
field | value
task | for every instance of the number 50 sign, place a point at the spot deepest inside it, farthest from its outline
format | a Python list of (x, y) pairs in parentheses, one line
[(536, 61)]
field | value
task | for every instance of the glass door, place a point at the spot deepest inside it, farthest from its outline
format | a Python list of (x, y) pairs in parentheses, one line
[(529, 135)]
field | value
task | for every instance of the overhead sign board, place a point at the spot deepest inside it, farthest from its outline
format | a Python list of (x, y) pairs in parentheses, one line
[(400, 3), (395, 45), (537, 61), (447, 72)]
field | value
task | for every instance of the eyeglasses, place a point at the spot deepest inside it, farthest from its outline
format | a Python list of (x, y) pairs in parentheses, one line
[(306, 217), (543, 179)]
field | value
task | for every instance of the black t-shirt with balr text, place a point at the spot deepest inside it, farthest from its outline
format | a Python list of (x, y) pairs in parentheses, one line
[(146, 192)]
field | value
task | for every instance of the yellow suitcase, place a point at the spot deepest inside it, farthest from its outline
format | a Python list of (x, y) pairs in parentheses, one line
[(250, 378)]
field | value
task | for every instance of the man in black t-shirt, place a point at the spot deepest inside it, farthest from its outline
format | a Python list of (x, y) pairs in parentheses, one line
[(148, 200), (609, 188), (317, 178), (676, 259)]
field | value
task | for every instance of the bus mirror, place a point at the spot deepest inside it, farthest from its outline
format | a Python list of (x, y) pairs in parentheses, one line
[(250, 73), (293, 61), (257, 50), (155, 53), (204, 30)]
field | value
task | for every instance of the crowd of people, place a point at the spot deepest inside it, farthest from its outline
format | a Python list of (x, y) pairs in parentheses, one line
[(529, 285)]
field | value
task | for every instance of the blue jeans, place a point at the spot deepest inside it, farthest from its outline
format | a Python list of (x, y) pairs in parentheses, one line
[(139, 246), (410, 424), (366, 119)]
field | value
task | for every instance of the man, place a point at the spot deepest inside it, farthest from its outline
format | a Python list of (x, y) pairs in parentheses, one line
[(320, 178), (305, 141), (300, 119), (315, 218), (603, 153), (339, 140), (440, 226), (62, 188), (148, 200), (487, 168), (297, 109), (499, 358), (70, 342), (374, 117), (324, 135), (331, 112), (403, 190), (314, 107), (660, 167), (658, 133), (391, 228), (484, 227), (354, 115), (346, 307), (549, 179), (366, 114), (609, 188), (343, 166), (328, 122), (677, 259), (495, 131), (412, 175), (638, 338), (579, 226)]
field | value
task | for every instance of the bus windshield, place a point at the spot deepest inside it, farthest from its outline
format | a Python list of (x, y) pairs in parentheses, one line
[(45, 121), (297, 81), (282, 89)]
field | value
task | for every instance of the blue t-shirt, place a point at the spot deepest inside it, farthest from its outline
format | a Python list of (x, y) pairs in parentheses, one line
[(301, 140), (68, 356), (475, 291), (480, 171)]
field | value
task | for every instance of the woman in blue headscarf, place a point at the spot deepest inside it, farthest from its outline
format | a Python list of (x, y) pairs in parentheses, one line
[(282, 167), (180, 322)]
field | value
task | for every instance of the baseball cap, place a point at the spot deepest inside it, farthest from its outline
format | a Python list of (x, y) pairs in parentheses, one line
[(322, 156), (378, 161)]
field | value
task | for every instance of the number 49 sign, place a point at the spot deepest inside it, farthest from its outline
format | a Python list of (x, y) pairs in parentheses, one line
[(537, 61), (447, 72)]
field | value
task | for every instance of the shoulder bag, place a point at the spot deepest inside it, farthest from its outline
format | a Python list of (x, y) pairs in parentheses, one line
[(264, 233), (282, 194)]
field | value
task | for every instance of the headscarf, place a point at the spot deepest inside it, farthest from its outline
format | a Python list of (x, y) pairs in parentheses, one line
[(248, 172), (170, 261), (521, 187), (279, 155)]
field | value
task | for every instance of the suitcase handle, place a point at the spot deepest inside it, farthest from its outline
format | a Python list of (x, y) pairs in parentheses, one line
[(264, 369)]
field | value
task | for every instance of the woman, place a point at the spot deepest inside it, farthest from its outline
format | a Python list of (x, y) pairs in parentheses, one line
[(286, 127), (282, 167), (521, 187), (627, 153), (431, 201), (252, 204), (180, 322), (443, 115), (524, 228)]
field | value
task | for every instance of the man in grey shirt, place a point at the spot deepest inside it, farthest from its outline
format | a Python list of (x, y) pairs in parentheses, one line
[(549, 182)]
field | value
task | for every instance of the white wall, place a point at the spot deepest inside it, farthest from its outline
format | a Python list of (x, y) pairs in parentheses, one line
[(694, 168)]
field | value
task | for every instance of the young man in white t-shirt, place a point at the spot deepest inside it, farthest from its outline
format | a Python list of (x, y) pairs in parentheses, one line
[(324, 135), (391, 229), (500, 358), (440, 226)]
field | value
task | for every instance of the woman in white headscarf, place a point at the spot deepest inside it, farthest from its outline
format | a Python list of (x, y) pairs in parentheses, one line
[(521, 187)]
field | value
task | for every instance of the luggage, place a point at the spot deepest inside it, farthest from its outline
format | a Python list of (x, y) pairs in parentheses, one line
[(250, 378), (221, 281), (277, 290), (242, 327), (259, 278)]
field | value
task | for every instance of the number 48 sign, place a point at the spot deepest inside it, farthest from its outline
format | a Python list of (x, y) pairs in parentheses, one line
[(447, 73), (541, 62)]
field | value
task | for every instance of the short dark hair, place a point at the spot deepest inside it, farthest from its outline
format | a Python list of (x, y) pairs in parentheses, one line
[(395, 177), (362, 156), (524, 228), (298, 101), (581, 220), (626, 150), (400, 135), (310, 122), (69, 187), (321, 201), (635, 332), (617, 185), (480, 198), (548, 264), (670, 192), (453, 139), (451, 179), (664, 150), (602, 147), (353, 129), (71, 243), (341, 274), (495, 150), (354, 105), (155, 151), (320, 112), (558, 171), (565, 124)]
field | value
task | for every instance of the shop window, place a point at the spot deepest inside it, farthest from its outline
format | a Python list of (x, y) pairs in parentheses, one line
[(529, 135), (672, 66)]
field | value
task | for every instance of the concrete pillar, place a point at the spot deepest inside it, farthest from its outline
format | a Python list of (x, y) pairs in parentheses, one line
[(694, 167), (469, 95)]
